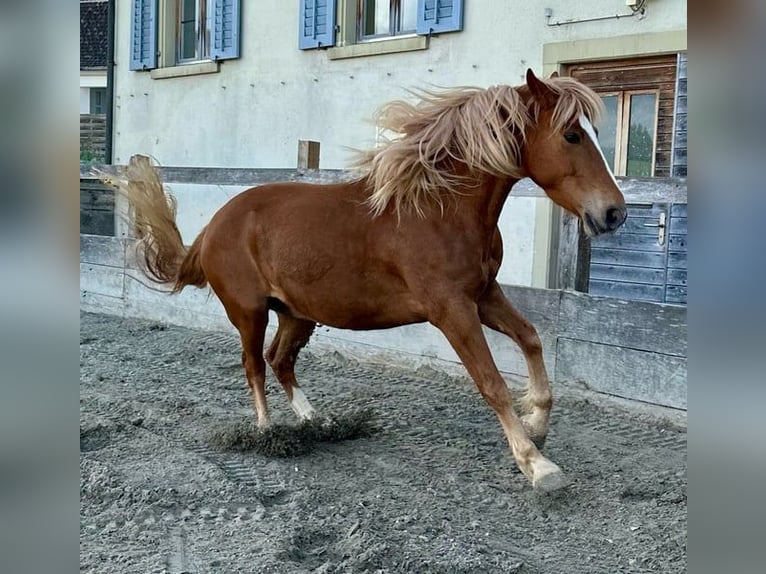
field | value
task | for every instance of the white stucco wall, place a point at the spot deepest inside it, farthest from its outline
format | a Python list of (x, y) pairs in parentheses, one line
[(253, 112)]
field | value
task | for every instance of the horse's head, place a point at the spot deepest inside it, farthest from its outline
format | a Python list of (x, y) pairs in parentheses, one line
[(562, 155)]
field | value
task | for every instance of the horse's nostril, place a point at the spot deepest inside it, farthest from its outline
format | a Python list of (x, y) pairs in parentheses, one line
[(614, 217)]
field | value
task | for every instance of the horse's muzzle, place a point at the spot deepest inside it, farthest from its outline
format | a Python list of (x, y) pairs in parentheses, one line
[(612, 219)]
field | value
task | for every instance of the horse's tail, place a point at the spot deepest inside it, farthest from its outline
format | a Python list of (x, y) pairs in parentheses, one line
[(162, 254)]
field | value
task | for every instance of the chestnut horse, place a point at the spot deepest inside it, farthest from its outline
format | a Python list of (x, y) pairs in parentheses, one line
[(414, 239)]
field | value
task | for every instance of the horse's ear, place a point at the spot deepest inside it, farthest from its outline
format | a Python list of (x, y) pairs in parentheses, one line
[(553, 75), (539, 90)]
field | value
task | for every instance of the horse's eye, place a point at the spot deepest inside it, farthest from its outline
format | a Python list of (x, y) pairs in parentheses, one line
[(572, 137)]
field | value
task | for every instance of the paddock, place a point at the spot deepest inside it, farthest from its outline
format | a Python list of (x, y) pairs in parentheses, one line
[(425, 488)]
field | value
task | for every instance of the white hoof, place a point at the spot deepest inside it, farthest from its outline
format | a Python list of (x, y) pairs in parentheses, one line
[(548, 477), (302, 406)]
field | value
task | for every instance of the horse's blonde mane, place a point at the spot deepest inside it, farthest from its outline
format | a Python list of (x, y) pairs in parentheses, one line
[(481, 129)]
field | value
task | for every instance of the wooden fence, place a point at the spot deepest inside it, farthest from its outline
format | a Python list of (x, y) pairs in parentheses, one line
[(92, 137)]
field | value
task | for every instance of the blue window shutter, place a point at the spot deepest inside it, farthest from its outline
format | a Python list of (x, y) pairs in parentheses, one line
[(316, 27), (435, 16), (224, 29), (143, 35)]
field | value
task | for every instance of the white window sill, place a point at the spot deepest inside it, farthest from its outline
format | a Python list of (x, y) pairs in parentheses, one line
[(196, 69), (377, 47)]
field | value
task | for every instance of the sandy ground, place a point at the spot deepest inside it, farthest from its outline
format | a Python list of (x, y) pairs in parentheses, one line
[(423, 482)]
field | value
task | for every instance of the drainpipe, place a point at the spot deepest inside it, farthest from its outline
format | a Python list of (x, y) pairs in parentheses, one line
[(109, 80)]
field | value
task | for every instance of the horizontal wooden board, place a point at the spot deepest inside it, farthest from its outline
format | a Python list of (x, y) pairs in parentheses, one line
[(675, 294), (629, 324), (621, 257), (677, 225), (677, 260), (677, 242), (638, 225), (653, 210), (539, 306), (634, 291), (676, 277), (631, 241), (643, 375), (678, 210), (627, 273)]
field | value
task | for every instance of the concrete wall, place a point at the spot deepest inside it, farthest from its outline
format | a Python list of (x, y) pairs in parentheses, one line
[(634, 350), (252, 111)]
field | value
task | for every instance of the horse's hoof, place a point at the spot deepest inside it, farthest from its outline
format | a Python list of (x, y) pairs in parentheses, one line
[(551, 482)]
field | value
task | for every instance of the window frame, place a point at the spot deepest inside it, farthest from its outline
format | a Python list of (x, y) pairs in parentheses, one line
[(620, 166)]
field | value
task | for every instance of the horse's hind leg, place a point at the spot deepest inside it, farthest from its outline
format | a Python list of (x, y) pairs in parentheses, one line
[(497, 313), (251, 325), (292, 335)]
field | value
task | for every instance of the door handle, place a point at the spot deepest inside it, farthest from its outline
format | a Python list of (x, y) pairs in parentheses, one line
[(661, 226)]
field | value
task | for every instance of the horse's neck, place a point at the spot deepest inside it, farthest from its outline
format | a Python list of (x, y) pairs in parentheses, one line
[(484, 204)]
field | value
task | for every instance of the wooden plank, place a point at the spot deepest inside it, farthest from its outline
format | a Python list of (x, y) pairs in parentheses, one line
[(635, 190), (635, 224), (677, 225), (678, 210), (675, 294), (100, 250), (607, 256), (638, 325), (541, 308), (639, 375), (308, 154), (652, 210), (676, 277), (573, 265), (628, 241), (232, 176), (627, 273), (634, 291), (677, 242), (677, 260)]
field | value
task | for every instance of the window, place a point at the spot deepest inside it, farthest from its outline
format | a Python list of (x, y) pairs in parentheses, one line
[(627, 132), (192, 31), (98, 100), (386, 18), (165, 33), (362, 22), (636, 132)]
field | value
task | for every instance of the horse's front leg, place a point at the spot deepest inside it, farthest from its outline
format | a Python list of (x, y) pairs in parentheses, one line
[(459, 321), (498, 314)]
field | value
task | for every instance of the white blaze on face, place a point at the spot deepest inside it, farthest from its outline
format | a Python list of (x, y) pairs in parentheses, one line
[(588, 128), (301, 405)]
